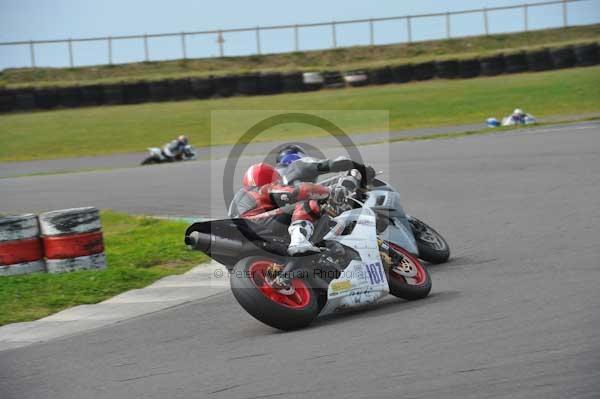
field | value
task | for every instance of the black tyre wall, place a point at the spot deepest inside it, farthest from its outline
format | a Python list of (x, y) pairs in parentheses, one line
[(248, 84), (380, 76), (403, 73), (469, 68), (7, 100), (270, 83), (424, 71), (91, 95), (202, 88), (135, 93), (516, 62), (447, 69), (113, 94), (563, 57), (492, 66), (292, 82), (181, 89), (24, 100), (225, 86), (160, 91), (587, 55), (69, 97), (539, 60), (46, 98)]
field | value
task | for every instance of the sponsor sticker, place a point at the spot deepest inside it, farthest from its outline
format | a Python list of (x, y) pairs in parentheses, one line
[(341, 286)]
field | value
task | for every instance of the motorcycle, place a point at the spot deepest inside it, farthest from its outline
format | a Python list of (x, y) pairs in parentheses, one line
[(366, 253), (157, 155)]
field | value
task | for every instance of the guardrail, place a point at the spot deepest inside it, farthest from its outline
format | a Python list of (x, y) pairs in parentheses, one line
[(220, 34)]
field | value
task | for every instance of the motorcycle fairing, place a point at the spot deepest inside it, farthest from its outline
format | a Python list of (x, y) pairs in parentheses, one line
[(399, 232), (363, 281)]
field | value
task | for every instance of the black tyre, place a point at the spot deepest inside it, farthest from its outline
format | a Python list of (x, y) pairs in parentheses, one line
[(380, 76), (248, 84), (493, 65), (433, 248), (563, 57), (402, 73), (282, 310), (539, 60), (587, 54), (424, 71), (516, 62), (447, 69), (408, 279), (469, 68)]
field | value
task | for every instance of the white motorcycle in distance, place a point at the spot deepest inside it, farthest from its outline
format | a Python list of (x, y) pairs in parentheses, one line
[(365, 254), (157, 155)]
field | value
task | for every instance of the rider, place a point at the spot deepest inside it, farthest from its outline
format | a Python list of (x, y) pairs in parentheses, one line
[(175, 149), (263, 199), (294, 165)]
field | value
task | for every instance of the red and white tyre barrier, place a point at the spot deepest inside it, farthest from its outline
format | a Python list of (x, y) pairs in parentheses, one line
[(72, 240), (20, 246)]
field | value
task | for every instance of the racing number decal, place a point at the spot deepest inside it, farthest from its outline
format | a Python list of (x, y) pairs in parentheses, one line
[(375, 272)]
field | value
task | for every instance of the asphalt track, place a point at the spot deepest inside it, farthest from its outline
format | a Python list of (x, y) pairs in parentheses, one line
[(514, 314)]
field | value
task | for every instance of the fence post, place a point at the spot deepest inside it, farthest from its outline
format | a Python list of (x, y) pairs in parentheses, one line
[(408, 29), (565, 15), (333, 35), (183, 46), (296, 39), (371, 33), (526, 17), (485, 22), (146, 52), (220, 41), (448, 27), (258, 40), (32, 53), (71, 53), (110, 60)]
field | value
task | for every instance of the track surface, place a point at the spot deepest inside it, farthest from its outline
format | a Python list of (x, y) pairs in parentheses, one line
[(514, 314)]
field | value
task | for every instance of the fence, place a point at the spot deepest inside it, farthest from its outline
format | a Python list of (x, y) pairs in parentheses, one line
[(220, 35)]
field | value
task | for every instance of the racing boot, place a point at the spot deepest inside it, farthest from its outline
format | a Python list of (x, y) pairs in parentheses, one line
[(300, 233)]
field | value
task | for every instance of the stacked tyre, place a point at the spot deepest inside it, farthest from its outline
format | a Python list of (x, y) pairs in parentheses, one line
[(72, 240), (587, 54), (20, 247)]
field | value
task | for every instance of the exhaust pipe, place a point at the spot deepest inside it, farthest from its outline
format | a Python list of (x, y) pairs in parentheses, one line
[(210, 244)]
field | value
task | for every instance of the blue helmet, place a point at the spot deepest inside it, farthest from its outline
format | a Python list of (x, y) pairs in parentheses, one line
[(288, 159), (291, 149)]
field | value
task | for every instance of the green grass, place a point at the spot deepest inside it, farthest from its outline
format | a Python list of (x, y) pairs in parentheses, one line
[(338, 59), (109, 130), (139, 251)]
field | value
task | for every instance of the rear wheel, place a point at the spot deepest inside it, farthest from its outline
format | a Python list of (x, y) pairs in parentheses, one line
[(288, 309), (432, 247), (407, 277)]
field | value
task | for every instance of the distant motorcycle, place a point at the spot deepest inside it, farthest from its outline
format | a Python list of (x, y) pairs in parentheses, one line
[(158, 155)]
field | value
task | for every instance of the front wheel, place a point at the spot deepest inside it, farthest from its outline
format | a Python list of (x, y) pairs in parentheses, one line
[(432, 247), (407, 277), (288, 309)]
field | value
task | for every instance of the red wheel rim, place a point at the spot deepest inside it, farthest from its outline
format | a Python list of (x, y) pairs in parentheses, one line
[(421, 276), (298, 299)]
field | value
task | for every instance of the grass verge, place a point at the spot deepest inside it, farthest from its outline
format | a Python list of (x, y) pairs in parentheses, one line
[(356, 57), (139, 250), (120, 129)]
